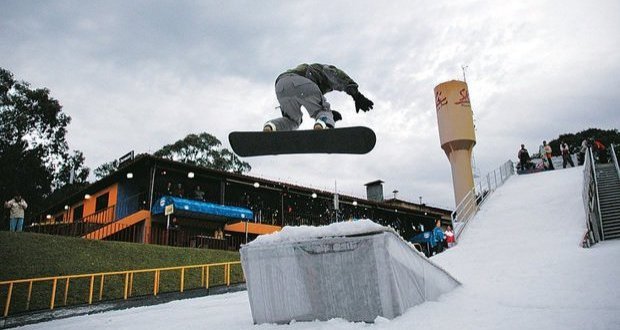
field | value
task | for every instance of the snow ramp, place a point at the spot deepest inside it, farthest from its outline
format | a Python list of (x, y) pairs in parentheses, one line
[(352, 270), (522, 265)]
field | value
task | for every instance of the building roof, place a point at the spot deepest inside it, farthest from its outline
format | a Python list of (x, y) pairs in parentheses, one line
[(146, 161)]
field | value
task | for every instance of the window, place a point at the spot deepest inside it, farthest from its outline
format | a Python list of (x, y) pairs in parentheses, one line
[(102, 202), (78, 212)]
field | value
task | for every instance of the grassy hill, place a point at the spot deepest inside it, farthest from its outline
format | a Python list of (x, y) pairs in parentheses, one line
[(27, 255), (30, 255)]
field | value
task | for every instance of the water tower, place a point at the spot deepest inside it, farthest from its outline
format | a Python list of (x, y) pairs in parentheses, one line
[(456, 133)]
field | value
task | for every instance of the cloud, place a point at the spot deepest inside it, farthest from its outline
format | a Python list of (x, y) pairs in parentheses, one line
[(138, 75)]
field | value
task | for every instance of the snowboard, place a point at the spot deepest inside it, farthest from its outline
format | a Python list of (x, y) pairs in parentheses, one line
[(346, 140)]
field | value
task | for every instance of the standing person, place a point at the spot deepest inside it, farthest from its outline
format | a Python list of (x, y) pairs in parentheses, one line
[(548, 154), (601, 153), (566, 156), (199, 194), (437, 238), (524, 157), (543, 157), (17, 207), (581, 158), (306, 86), (178, 191), (449, 236)]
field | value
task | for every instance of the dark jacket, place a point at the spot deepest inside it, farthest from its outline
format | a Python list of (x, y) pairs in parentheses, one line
[(524, 156), (327, 77)]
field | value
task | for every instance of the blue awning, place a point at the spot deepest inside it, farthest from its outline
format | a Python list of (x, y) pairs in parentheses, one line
[(195, 207), (424, 237)]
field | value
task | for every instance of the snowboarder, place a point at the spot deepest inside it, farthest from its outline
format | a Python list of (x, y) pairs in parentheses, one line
[(306, 85), (566, 156), (547, 153)]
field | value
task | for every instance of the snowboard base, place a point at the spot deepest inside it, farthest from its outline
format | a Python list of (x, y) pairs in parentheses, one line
[(346, 140)]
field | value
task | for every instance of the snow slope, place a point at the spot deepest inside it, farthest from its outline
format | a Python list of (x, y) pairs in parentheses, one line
[(519, 261)]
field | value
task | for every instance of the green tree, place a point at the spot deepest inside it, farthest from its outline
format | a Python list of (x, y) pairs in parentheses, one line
[(607, 137), (106, 169), (203, 150), (34, 154)]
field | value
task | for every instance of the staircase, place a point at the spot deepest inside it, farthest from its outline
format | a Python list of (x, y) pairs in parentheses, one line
[(118, 225), (609, 198)]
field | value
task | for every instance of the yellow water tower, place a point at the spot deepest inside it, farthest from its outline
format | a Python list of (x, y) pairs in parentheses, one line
[(456, 133)]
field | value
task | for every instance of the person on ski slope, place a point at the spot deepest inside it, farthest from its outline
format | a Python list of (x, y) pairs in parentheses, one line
[(524, 157), (306, 85)]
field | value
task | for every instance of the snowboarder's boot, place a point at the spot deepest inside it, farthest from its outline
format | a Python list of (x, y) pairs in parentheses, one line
[(269, 127), (321, 124)]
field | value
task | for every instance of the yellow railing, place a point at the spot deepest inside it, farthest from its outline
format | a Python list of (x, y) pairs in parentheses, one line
[(128, 282)]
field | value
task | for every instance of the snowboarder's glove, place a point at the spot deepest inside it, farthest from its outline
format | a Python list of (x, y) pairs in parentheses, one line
[(337, 115), (362, 103)]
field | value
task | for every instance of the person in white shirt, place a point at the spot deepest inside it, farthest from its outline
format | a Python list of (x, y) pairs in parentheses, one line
[(566, 156), (17, 207)]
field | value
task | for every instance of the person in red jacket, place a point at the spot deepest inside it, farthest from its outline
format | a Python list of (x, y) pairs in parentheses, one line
[(449, 236), (599, 149)]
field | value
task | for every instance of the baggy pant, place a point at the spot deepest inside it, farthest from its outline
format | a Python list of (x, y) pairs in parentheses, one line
[(294, 91), (567, 159)]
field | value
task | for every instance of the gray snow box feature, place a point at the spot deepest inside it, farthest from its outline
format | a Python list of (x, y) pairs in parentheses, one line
[(352, 270)]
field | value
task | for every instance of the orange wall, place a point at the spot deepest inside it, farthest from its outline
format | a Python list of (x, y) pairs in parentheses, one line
[(89, 204)]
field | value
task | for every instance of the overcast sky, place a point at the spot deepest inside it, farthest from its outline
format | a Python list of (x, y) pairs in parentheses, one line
[(135, 75)]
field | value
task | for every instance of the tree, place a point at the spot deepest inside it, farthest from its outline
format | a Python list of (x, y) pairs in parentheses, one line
[(106, 169), (72, 170), (34, 156), (607, 137), (203, 150)]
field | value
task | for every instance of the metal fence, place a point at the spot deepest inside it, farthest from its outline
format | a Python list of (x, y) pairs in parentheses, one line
[(469, 205), (194, 238), (591, 202), (92, 288), (614, 158)]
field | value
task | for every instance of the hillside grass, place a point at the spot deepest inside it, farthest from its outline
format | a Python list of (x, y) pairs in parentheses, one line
[(30, 255)]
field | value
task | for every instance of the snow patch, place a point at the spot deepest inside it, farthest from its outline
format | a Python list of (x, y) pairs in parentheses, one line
[(304, 233)]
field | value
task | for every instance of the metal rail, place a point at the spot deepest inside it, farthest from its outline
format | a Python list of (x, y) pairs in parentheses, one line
[(128, 282), (615, 159), (477, 196), (591, 202)]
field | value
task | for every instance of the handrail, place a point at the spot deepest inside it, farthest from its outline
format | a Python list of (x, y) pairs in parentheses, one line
[(591, 201), (615, 159), (473, 200), (128, 282), (598, 201)]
